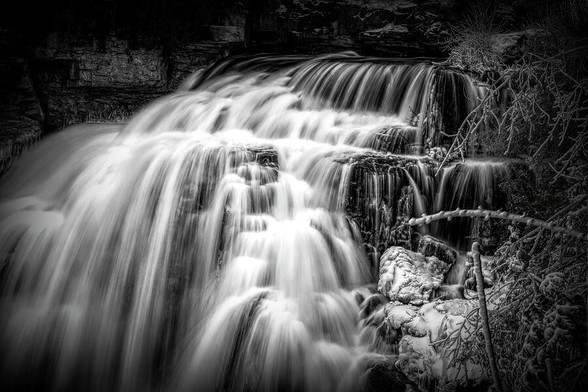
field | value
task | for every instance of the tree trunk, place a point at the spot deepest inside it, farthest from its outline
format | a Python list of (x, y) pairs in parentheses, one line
[(484, 317)]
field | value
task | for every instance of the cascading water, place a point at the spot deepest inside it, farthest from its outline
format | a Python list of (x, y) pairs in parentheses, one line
[(481, 179), (206, 245)]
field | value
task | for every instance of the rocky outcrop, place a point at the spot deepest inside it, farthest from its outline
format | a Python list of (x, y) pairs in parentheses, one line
[(410, 277), (425, 338), (380, 196), (426, 343)]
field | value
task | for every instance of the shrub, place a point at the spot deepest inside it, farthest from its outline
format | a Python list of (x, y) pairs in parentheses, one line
[(536, 109)]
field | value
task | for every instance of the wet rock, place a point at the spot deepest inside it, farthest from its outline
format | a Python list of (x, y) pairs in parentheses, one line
[(378, 197), (402, 234), (382, 375), (376, 332), (410, 277), (264, 155), (371, 304), (388, 334), (450, 291), (431, 246), (378, 335), (395, 139)]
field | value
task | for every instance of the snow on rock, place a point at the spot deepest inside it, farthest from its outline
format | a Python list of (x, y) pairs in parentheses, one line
[(398, 313), (418, 360), (422, 356), (410, 277)]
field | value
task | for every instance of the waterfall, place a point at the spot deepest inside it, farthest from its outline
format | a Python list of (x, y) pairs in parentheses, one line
[(472, 184), (211, 243)]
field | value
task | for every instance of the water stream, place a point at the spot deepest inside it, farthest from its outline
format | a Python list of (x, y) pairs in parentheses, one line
[(206, 244)]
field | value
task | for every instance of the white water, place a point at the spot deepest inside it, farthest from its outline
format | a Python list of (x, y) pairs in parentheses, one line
[(204, 245)]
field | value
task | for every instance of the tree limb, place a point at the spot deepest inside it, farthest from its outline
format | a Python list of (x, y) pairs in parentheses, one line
[(426, 219)]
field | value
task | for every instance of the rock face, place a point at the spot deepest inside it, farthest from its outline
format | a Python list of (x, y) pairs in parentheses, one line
[(108, 63), (63, 83), (21, 113), (410, 277), (108, 79), (390, 28)]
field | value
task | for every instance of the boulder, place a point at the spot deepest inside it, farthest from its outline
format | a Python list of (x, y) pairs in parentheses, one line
[(410, 277), (431, 246)]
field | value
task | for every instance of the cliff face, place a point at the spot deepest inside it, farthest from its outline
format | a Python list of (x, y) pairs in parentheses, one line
[(85, 64), (373, 27)]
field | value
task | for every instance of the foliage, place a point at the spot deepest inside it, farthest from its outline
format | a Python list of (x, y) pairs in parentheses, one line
[(474, 43), (536, 110), (539, 325), (539, 310)]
